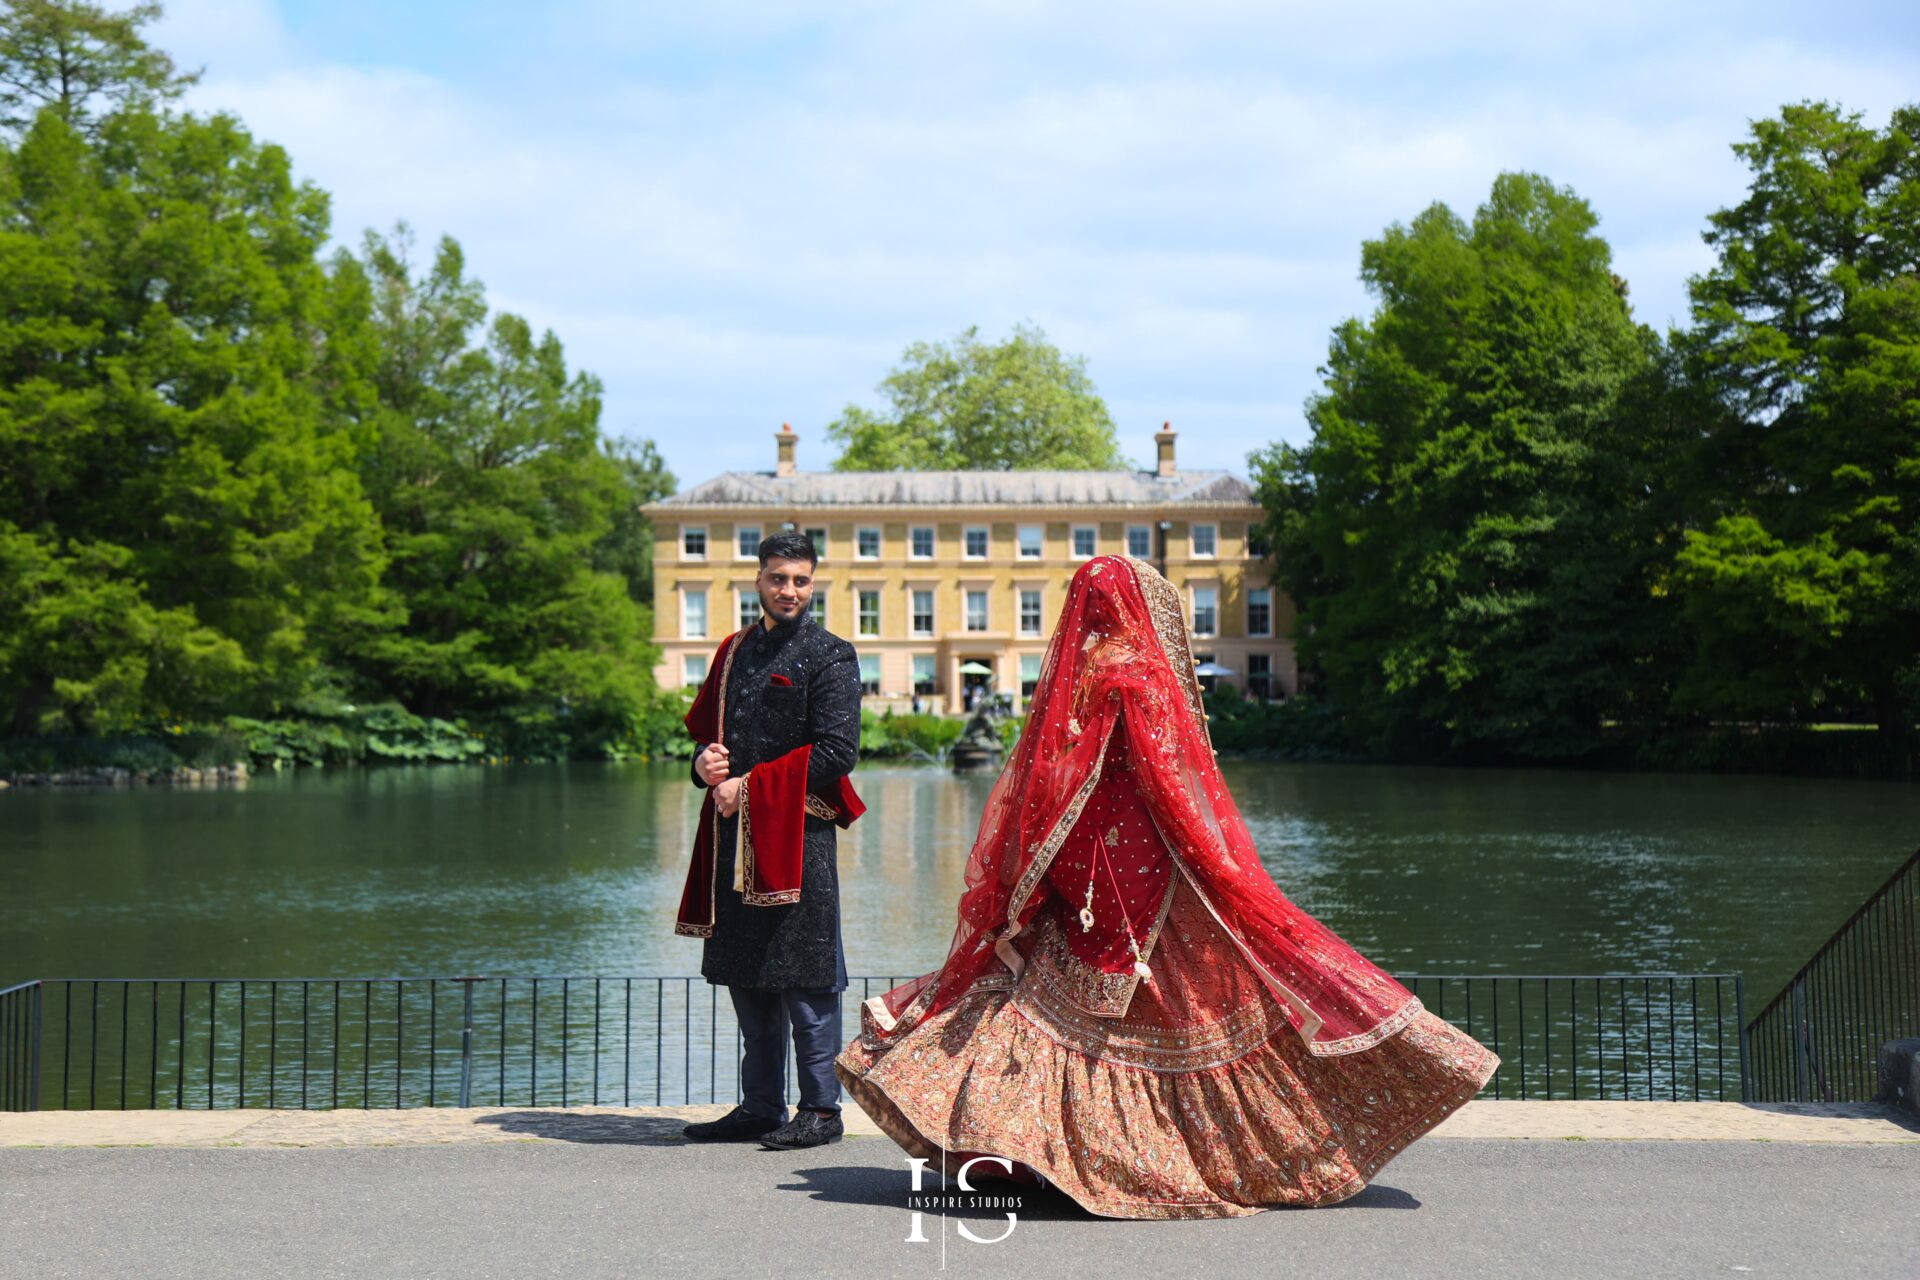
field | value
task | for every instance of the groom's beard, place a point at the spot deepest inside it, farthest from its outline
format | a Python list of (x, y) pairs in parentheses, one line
[(770, 605)]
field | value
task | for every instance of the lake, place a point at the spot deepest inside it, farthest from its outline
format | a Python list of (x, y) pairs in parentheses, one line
[(577, 869)]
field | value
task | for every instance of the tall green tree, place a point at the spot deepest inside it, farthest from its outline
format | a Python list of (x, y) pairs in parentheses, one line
[(81, 60), (183, 527), (627, 547), (969, 405), (1466, 532), (1804, 586), (487, 466)]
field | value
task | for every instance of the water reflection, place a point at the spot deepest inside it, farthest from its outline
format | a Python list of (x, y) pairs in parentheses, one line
[(577, 869)]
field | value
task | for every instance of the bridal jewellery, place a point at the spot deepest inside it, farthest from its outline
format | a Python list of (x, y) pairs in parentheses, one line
[(1086, 912)]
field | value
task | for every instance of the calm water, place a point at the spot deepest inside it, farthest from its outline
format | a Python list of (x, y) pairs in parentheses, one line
[(577, 869)]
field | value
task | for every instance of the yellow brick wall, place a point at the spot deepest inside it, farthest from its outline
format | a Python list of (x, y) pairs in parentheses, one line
[(950, 575)]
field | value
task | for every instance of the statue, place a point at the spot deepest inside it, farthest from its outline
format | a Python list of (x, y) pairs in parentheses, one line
[(978, 746)]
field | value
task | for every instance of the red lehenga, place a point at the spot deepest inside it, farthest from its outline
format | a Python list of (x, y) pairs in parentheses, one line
[(1130, 1007)]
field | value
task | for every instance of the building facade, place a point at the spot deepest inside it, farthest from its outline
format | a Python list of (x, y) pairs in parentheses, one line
[(946, 580)]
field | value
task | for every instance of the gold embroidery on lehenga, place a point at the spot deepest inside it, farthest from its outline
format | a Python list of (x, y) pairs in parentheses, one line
[(1091, 989), (1125, 1118)]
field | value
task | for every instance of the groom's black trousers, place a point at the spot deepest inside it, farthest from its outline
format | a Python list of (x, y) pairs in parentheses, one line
[(767, 1019)]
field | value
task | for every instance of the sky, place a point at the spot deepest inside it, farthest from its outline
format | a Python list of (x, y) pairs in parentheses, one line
[(739, 214)]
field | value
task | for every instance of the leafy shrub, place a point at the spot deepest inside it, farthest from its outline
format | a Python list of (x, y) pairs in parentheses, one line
[(1297, 729)]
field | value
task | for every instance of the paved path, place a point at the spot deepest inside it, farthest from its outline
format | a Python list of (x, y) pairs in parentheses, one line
[(657, 1207), (1625, 1121)]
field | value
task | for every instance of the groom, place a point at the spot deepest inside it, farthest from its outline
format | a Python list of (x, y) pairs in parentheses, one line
[(778, 727)]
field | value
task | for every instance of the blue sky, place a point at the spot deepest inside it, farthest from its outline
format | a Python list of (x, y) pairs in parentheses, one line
[(739, 214)]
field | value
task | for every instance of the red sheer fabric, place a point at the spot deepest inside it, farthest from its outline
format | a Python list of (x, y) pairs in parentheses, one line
[(1118, 680), (1112, 875)]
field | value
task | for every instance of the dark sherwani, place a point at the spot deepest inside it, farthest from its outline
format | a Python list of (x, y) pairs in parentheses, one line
[(794, 947)]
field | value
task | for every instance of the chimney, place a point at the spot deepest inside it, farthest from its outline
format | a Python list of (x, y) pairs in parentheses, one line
[(1164, 439), (785, 436)]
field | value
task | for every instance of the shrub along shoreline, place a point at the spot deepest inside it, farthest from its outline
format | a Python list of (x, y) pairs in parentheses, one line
[(387, 733), (1300, 730)]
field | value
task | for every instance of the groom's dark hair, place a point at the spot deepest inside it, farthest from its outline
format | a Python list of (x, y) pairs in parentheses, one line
[(788, 546)]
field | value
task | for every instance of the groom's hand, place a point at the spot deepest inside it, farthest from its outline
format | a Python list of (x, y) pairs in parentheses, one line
[(711, 764), (726, 797)]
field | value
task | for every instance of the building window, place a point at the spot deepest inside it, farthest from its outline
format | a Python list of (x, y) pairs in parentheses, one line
[(866, 544), (1030, 541), (1139, 541), (817, 605), (693, 542), (923, 678), (1260, 676), (922, 542), (1029, 611), (976, 611), (749, 610), (976, 543), (922, 612), (870, 673), (693, 613), (1085, 539), (1029, 674), (746, 539), (693, 669), (1260, 611), (818, 537), (1257, 545), (869, 624), (1204, 539), (1206, 611)]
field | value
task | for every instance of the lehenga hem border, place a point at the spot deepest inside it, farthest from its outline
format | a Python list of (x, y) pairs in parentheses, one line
[(909, 1132)]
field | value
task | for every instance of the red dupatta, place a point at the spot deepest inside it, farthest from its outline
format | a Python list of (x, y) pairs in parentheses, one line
[(774, 804), (1119, 663)]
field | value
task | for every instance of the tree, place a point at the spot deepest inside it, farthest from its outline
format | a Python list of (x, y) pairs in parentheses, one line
[(233, 476), (486, 464), (183, 527), (1466, 533), (73, 56), (627, 548), (974, 406), (1804, 588)]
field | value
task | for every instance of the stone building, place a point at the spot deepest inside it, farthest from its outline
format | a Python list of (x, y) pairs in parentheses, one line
[(949, 579)]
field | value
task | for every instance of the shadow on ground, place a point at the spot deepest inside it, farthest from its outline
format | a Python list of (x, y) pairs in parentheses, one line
[(891, 1187), (570, 1126)]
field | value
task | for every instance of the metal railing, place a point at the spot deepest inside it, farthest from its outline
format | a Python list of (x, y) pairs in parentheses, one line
[(1819, 1039), (20, 1025), (1601, 1037), (117, 1043)]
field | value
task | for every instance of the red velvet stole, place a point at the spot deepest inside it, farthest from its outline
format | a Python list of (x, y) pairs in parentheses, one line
[(774, 803)]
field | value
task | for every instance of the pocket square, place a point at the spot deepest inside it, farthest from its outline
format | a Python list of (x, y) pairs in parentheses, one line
[(778, 679)]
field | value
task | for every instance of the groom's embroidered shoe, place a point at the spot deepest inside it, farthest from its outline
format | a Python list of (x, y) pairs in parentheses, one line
[(738, 1125), (806, 1129)]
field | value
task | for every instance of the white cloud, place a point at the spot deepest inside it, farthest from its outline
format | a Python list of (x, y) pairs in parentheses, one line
[(740, 214)]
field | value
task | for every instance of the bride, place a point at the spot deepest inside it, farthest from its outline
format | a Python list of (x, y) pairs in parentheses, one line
[(1130, 1008)]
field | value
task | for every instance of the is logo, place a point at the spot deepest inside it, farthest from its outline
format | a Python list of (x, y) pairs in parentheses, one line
[(920, 1201)]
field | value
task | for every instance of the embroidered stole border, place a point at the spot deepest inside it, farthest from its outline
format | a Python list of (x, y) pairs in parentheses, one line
[(709, 811)]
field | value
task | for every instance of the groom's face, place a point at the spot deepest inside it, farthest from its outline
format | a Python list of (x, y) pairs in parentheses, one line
[(786, 589)]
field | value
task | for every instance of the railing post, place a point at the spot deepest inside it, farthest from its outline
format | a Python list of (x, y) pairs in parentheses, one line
[(466, 1041), (33, 1043), (1802, 1069), (1740, 1021)]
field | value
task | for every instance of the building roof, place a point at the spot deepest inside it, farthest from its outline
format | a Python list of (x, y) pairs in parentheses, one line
[(963, 489)]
